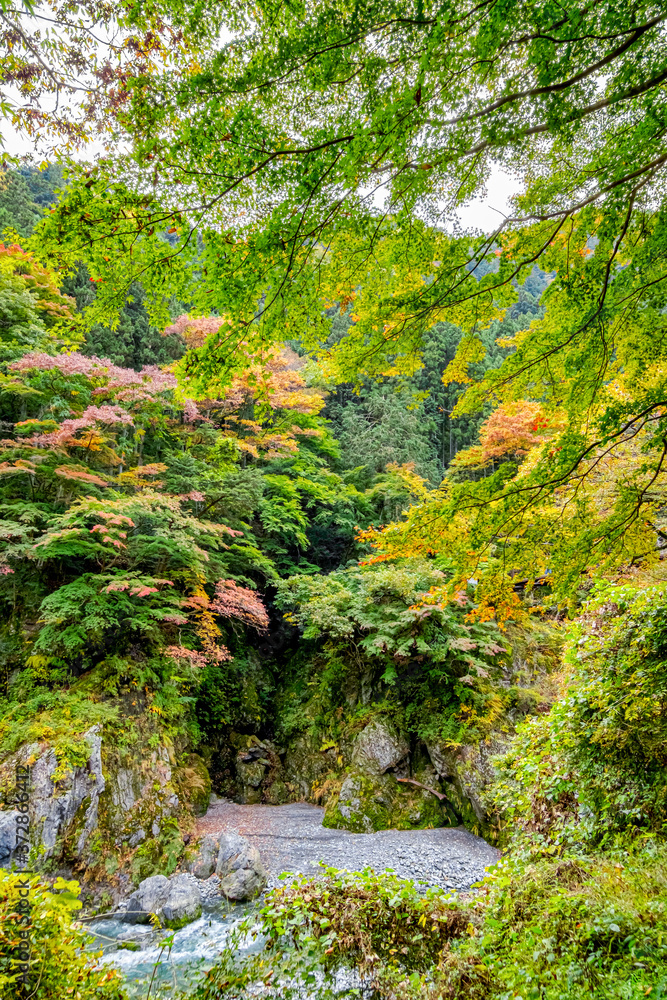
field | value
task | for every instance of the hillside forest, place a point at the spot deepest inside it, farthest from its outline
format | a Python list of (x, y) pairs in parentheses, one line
[(312, 492)]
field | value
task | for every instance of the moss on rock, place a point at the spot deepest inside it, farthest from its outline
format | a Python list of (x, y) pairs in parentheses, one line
[(195, 782), (367, 803)]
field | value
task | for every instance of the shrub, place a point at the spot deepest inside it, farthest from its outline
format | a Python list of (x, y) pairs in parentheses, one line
[(58, 965), (593, 769)]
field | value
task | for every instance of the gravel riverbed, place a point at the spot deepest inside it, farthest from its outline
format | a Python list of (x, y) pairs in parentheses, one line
[(292, 838), (289, 838)]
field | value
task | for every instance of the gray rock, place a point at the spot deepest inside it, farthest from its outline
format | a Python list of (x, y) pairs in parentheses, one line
[(469, 772), (149, 897), (305, 765), (442, 759), (239, 868), (379, 747), (140, 795), (137, 837), (125, 789), (204, 862), (251, 773), (183, 903), (7, 837), (350, 804), (117, 797), (54, 807)]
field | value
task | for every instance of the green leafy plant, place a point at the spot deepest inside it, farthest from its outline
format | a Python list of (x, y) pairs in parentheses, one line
[(377, 619), (592, 770), (43, 918)]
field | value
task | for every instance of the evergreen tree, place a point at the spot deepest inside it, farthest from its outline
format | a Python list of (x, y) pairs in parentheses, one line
[(134, 343), (382, 423), (18, 211)]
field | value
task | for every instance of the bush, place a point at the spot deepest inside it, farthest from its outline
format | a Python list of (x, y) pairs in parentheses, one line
[(58, 966), (378, 925), (592, 770), (553, 928)]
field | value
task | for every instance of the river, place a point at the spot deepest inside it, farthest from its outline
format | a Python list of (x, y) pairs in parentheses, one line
[(289, 838)]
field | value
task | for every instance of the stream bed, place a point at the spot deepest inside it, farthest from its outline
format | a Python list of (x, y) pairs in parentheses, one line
[(194, 950), (290, 838)]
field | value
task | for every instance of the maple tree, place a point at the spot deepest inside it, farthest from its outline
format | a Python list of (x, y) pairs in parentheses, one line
[(510, 432), (68, 73), (34, 312), (373, 622), (348, 195), (119, 488), (308, 169)]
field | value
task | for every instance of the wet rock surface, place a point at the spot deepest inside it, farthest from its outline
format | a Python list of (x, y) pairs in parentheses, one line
[(291, 838), (203, 864), (176, 901)]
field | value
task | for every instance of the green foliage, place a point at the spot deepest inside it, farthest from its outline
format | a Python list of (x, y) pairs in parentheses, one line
[(110, 574), (383, 424), (58, 965), (412, 419), (378, 620), (33, 311), (122, 507), (17, 209), (133, 342), (575, 927), (422, 111), (159, 854), (25, 195), (312, 929), (38, 711), (592, 770)]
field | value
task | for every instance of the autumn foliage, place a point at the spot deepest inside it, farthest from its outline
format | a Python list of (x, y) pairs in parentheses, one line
[(509, 433)]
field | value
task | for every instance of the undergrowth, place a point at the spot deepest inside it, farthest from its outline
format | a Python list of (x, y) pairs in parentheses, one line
[(547, 927)]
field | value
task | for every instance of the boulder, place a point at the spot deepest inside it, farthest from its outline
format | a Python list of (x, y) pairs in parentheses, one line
[(378, 748), (277, 793), (251, 775), (149, 897), (367, 803), (305, 766), (239, 868), (203, 863), (7, 837), (183, 904), (176, 901)]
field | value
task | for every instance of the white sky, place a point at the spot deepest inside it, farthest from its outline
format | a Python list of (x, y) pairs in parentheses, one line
[(484, 214), (487, 213)]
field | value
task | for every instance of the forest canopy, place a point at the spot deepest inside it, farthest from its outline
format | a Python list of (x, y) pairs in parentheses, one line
[(314, 495), (270, 167)]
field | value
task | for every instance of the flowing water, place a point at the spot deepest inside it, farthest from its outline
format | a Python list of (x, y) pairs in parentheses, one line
[(289, 838), (194, 950)]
